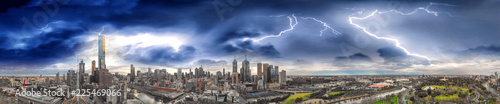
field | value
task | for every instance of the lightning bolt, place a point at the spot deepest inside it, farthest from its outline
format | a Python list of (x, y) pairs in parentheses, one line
[(292, 26), (102, 29), (396, 42), (293, 22), (324, 24)]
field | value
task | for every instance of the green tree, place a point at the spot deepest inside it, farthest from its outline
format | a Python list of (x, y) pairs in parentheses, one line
[(298, 100)]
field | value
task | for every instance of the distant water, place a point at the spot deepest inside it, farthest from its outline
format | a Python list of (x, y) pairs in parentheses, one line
[(148, 99), (359, 100)]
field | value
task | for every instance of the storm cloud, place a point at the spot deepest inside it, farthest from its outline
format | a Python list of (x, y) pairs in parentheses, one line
[(186, 33)]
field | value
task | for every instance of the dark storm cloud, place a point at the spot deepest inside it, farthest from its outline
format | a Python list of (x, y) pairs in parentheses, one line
[(222, 38), (7, 4), (246, 47), (482, 50), (358, 57), (43, 49), (161, 55), (208, 61), (392, 54), (236, 34)]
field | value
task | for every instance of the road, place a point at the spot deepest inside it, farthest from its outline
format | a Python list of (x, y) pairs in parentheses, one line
[(405, 93), (493, 91), (180, 99), (402, 98)]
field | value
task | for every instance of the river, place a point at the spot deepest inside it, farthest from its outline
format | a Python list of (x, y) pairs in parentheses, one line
[(146, 98), (359, 100)]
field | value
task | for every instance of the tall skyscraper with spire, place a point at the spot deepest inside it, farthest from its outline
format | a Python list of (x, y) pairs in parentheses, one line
[(81, 67), (132, 72), (81, 72), (235, 65), (101, 52), (245, 67)]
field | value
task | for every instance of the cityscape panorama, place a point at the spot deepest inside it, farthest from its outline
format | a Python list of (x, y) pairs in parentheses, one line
[(249, 52)]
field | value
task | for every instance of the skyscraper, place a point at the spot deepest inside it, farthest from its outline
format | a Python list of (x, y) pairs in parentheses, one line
[(269, 71), (101, 52), (179, 73), (149, 72), (223, 72), (259, 69), (201, 72), (138, 74), (276, 74), (81, 72), (71, 79), (94, 72), (57, 78), (190, 74), (149, 69), (282, 77), (235, 65), (81, 67), (196, 73), (132, 72), (265, 72), (245, 66), (64, 78), (496, 75)]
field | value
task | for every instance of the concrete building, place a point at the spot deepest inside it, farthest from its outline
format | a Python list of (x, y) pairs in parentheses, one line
[(106, 78), (235, 78), (57, 78), (94, 72), (196, 72), (202, 73), (276, 74), (282, 77), (179, 73), (64, 78), (259, 69), (81, 72), (265, 72), (219, 74), (71, 79), (132, 72), (139, 75), (269, 74)]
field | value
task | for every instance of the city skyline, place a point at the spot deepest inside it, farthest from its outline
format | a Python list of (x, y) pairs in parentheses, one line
[(327, 39), (249, 52)]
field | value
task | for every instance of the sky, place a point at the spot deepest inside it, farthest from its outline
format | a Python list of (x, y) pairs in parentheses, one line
[(302, 37)]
